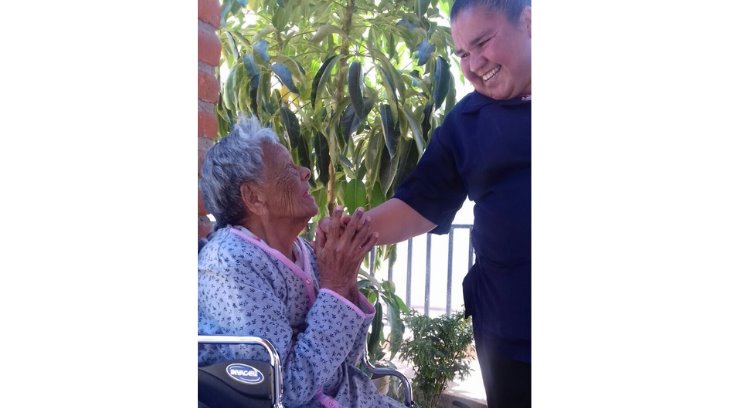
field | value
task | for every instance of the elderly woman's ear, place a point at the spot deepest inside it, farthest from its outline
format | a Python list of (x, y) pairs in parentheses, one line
[(253, 198)]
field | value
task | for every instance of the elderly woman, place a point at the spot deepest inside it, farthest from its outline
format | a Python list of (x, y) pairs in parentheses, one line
[(257, 277)]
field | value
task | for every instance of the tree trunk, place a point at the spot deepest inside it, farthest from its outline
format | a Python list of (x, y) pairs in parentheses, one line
[(339, 97)]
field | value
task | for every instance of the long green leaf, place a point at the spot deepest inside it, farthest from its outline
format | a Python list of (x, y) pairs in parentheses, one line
[(242, 94), (425, 49), (224, 117), (348, 168), (441, 82), (388, 128), (284, 75), (391, 50), (230, 7), (377, 197), (375, 144), (415, 128), (344, 160), (407, 162), (320, 78), (263, 94), (374, 337), (302, 151), (229, 90), (253, 93), (397, 327), (250, 65), (324, 31), (321, 151), (264, 32), (224, 10), (394, 76), (261, 49), (451, 98), (421, 6), (369, 103), (291, 124), (355, 84), (406, 24), (231, 45), (297, 71), (349, 122), (357, 158), (427, 111), (389, 84), (402, 123), (280, 18), (355, 195)]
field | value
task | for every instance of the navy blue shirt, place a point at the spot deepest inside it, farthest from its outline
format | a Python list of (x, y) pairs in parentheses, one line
[(483, 151)]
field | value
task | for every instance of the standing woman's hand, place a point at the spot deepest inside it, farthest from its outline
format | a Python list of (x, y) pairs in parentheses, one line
[(340, 247)]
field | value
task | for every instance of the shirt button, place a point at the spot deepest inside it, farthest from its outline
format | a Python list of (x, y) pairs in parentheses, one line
[(308, 282)]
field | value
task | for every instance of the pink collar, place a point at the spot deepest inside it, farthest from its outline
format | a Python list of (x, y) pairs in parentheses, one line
[(301, 268)]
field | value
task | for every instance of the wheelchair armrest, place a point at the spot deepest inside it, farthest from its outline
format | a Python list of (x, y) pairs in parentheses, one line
[(378, 372), (227, 375)]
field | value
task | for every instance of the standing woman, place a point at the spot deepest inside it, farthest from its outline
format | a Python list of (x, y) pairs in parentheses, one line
[(483, 152)]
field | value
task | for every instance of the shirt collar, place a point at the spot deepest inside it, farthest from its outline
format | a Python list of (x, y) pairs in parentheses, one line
[(475, 101)]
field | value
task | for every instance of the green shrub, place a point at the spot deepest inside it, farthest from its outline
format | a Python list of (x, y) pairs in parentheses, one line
[(439, 351)]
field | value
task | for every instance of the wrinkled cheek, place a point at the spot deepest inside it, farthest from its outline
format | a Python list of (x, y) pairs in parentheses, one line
[(289, 205), (287, 201), (284, 203), (285, 198)]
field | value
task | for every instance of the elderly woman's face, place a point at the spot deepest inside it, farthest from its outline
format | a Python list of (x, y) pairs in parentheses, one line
[(286, 185)]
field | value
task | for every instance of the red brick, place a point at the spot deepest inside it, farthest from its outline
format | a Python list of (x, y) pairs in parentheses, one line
[(207, 124), (203, 144), (204, 226), (207, 87), (208, 47), (200, 204), (209, 12)]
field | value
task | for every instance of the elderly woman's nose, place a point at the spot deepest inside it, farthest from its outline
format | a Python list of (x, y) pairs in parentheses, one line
[(306, 173)]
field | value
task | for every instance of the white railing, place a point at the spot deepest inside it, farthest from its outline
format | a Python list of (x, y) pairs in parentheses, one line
[(421, 274)]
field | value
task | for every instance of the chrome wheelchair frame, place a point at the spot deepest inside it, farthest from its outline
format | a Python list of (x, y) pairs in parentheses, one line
[(275, 391)]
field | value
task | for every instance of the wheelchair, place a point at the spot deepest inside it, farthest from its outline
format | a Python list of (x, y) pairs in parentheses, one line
[(259, 384)]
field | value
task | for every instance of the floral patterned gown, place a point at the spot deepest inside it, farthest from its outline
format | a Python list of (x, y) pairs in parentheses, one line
[(246, 288)]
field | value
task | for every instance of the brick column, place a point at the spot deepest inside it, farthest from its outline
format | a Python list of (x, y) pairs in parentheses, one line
[(208, 56)]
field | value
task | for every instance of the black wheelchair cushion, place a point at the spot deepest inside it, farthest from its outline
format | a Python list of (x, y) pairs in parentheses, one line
[(236, 383)]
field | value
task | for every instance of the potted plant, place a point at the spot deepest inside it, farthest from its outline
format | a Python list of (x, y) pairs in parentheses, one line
[(389, 311), (439, 350)]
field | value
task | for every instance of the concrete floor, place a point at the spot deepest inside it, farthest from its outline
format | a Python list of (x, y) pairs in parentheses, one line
[(469, 392)]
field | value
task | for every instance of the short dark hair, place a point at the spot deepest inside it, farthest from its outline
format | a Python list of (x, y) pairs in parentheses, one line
[(511, 8)]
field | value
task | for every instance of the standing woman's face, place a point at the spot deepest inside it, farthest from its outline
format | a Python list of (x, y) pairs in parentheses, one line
[(496, 55)]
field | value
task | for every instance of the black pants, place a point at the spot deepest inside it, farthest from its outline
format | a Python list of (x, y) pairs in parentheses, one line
[(508, 382)]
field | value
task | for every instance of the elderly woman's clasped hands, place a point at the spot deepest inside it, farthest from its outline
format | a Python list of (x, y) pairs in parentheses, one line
[(341, 244)]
